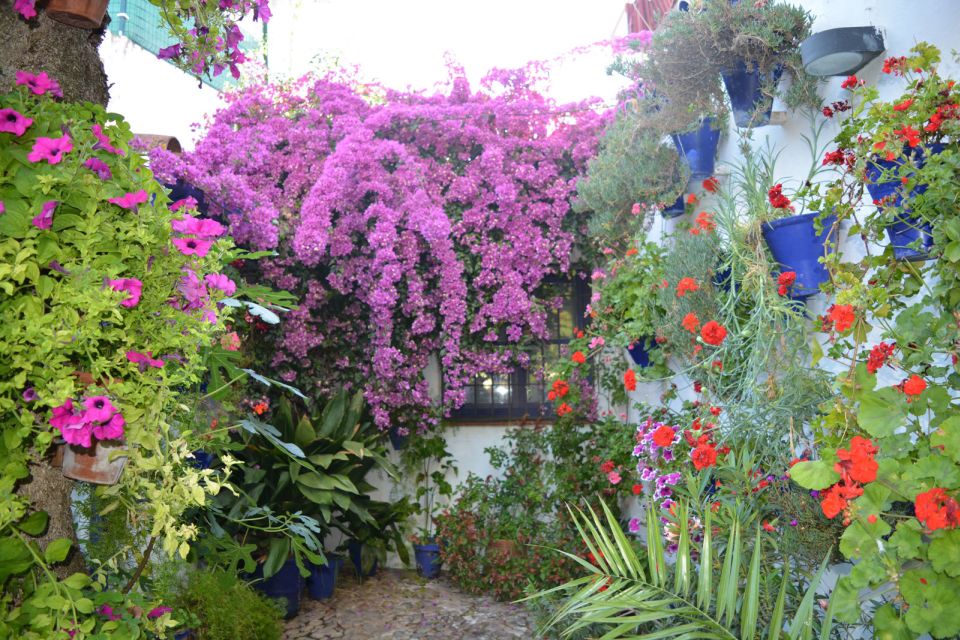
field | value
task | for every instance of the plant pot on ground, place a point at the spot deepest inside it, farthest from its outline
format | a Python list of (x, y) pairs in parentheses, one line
[(284, 586), (83, 14), (428, 559), (323, 578)]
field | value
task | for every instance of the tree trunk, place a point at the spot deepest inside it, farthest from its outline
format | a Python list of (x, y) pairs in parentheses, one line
[(67, 54), (70, 56)]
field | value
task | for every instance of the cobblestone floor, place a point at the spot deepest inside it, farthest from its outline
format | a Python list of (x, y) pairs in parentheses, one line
[(398, 605)]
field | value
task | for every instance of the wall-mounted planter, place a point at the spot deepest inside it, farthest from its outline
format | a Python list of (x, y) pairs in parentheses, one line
[(82, 14), (640, 351), (699, 148), (428, 559), (910, 238), (181, 189), (398, 441), (796, 245), (323, 578), (674, 210), (94, 465), (286, 584), (745, 89)]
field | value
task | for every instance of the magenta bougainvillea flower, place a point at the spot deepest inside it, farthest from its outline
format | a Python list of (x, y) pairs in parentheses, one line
[(192, 246), (50, 149), (99, 167), (45, 219), (132, 286), (144, 360), (39, 83), (200, 227), (12, 121), (221, 282), (130, 201)]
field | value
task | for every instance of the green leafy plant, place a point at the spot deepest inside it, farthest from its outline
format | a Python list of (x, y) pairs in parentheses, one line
[(225, 608), (429, 462)]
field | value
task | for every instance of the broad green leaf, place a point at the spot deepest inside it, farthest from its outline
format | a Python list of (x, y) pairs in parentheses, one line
[(34, 524), (814, 474), (945, 552), (880, 412), (57, 550)]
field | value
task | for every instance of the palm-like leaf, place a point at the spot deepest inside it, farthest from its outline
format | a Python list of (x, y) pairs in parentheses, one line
[(634, 600)]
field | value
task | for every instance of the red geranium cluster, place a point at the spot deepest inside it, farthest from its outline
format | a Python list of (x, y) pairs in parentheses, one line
[(703, 223), (560, 389), (879, 356), (630, 380), (840, 317), (936, 510), (686, 285), (913, 386), (784, 281), (777, 199), (856, 467), (713, 333)]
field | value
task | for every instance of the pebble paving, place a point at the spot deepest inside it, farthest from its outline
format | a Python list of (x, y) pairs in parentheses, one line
[(398, 605)]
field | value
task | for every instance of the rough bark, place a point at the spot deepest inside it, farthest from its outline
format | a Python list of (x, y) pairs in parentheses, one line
[(66, 53), (70, 56)]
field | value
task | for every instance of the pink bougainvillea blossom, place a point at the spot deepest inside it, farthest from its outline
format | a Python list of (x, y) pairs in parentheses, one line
[(192, 246), (132, 286), (50, 150), (131, 200), (12, 121), (39, 83), (45, 219)]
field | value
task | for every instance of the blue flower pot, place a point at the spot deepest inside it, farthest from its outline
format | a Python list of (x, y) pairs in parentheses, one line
[(675, 210), (797, 246), (202, 459), (355, 549), (745, 89), (398, 441), (181, 189), (286, 584), (428, 559), (699, 148), (323, 578), (186, 634), (640, 351), (910, 238), (721, 279)]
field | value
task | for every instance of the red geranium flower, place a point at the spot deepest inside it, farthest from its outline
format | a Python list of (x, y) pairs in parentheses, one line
[(663, 436), (713, 333), (691, 322), (716, 411), (857, 463), (914, 385), (563, 410), (785, 280), (630, 380), (636, 489), (849, 83), (936, 510), (704, 456), (704, 222), (903, 106), (841, 316), (777, 199), (832, 503), (691, 198), (879, 355), (578, 357), (685, 286), (608, 466), (711, 184)]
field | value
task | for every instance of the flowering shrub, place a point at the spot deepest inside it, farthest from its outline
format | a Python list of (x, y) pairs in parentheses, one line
[(103, 317), (407, 224)]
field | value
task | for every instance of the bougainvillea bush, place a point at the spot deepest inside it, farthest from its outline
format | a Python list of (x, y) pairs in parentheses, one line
[(109, 294), (407, 224)]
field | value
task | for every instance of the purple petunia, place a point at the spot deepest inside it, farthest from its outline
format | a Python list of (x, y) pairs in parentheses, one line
[(45, 219), (99, 167)]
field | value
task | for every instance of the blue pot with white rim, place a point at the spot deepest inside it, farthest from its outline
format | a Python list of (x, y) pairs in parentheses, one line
[(797, 246)]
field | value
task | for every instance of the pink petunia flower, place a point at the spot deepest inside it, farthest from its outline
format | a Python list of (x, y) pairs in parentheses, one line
[(73, 426), (144, 359), (131, 286), (103, 141), (111, 429), (200, 227), (156, 612), (39, 84), (45, 219), (130, 201), (189, 202), (192, 246), (12, 121), (50, 149), (107, 612), (221, 282), (99, 409), (166, 53), (25, 8), (634, 525), (99, 167)]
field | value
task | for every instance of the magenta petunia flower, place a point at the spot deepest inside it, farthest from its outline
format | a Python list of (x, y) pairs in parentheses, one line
[(12, 121), (50, 149), (40, 83), (3, 208), (25, 8), (103, 141), (111, 429), (156, 612), (99, 167), (144, 359), (166, 53), (107, 612), (45, 219), (222, 282), (192, 246), (29, 394), (189, 202), (130, 200), (73, 426), (131, 286), (99, 409), (200, 227)]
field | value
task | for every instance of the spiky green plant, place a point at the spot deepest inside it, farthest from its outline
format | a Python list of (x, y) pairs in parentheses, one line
[(708, 589)]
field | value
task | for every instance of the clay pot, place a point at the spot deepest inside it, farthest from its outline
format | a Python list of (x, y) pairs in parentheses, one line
[(501, 550), (56, 460), (82, 14), (94, 465)]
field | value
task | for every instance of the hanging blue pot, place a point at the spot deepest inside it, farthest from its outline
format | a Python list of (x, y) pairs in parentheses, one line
[(676, 209), (796, 245), (745, 89), (910, 238), (286, 584), (699, 148), (323, 578), (428, 559), (182, 189), (398, 441), (355, 549), (721, 279), (640, 351)]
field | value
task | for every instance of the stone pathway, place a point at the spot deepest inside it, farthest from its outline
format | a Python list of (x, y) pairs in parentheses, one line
[(398, 605)]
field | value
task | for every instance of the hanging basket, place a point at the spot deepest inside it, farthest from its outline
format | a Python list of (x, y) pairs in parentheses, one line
[(698, 148), (94, 465), (82, 14), (796, 245), (745, 89)]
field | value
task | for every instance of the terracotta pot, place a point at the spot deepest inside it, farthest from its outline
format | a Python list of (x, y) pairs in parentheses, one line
[(56, 460), (94, 465), (82, 14), (501, 549)]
